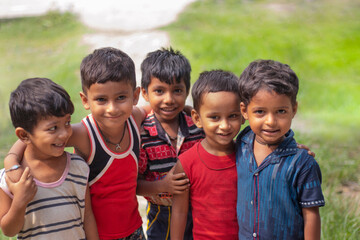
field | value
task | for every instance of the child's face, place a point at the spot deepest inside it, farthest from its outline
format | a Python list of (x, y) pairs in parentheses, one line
[(110, 103), (49, 136), (220, 117), (270, 115), (167, 100)]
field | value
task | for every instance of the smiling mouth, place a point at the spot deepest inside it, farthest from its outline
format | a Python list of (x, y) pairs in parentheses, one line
[(168, 109), (59, 145), (224, 134)]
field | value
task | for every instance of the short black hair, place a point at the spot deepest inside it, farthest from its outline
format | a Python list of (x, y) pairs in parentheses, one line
[(167, 65), (270, 75), (35, 99), (213, 81), (107, 64)]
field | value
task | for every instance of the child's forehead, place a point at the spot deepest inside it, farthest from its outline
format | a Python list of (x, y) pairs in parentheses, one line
[(220, 99), (110, 86), (270, 97), (171, 81), (51, 119)]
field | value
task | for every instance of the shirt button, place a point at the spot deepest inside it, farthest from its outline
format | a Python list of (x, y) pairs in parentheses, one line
[(256, 174), (254, 235), (251, 202)]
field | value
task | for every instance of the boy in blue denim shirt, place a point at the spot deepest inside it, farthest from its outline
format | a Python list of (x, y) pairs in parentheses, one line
[(279, 185)]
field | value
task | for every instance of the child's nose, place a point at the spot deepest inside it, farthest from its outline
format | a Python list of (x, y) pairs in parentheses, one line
[(270, 119), (224, 124), (111, 107), (168, 98)]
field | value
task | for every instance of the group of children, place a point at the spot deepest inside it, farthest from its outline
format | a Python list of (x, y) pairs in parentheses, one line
[(199, 182)]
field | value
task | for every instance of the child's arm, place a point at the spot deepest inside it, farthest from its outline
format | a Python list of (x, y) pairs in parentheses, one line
[(171, 183), (179, 210), (312, 223), (13, 158), (12, 212), (79, 140), (89, 219), (140, 113)]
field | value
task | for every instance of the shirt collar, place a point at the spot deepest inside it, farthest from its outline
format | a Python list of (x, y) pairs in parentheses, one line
[(155, 129), (287, 146)]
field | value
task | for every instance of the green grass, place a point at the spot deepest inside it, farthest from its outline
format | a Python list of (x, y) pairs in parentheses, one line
[(320, 40), (48, 46)]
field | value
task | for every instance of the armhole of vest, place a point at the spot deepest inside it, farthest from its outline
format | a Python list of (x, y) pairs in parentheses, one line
[(89, 128)]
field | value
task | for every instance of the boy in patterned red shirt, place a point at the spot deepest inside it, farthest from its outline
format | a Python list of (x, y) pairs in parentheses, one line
[(166, 132)]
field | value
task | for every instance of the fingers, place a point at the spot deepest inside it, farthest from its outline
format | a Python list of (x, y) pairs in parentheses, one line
[(311, 153), (26, 174), (178, 176)]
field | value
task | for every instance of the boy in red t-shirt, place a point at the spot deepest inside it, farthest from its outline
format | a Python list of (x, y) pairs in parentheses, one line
[(210, 164)]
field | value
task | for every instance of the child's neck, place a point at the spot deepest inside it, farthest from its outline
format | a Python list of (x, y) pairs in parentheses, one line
[(171, 128), (219, 150), (263, 149), (45, 169), (116, 139)]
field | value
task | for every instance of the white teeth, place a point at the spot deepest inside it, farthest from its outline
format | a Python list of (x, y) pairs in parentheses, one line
[(59, 145)]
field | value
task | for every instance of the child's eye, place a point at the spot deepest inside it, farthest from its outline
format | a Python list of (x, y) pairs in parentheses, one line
[(122, 97), (158, 91), (52, 128), (282, 111), (234, 115), (178, 90), (214, 118), (100, 100), (259, 112)]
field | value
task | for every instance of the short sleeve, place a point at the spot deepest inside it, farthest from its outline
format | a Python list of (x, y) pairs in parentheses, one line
[(143, 161), (309, 184), (3, 184)]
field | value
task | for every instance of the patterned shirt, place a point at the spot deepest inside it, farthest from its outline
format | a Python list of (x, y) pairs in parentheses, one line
[(271, 196), (157, 155), (57, 210)]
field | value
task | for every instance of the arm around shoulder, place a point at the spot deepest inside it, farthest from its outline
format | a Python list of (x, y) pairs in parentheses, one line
[(80, 140), (13, 158), (180, 210)]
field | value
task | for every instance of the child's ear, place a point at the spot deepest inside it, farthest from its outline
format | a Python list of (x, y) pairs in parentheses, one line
[(295, 106), (144, 94), (22, 134), (84, 101), (196, 118), (243, 110), (136, 96)]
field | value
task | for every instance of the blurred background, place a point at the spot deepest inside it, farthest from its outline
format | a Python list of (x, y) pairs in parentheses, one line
[(319, 39)]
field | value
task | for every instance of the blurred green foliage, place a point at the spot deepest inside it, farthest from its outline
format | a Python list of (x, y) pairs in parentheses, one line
[(48, 46), (320, 40)]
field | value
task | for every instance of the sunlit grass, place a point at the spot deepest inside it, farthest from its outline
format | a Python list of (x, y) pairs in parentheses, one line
[(48, 46), (320, 40)]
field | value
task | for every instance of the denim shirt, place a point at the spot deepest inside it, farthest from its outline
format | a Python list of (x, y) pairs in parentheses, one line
[(271, 196)]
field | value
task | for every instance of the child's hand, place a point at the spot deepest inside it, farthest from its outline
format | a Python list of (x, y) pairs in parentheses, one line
[(302, 146), (156, 199), (15, 175), (25, 189), (175, 183)]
